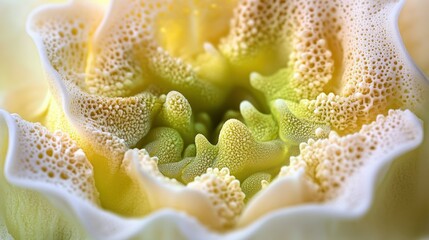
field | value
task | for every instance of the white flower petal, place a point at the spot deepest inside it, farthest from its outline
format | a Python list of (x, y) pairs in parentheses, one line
[(340, 171), (62, 34), (24, 209), (203, 198)]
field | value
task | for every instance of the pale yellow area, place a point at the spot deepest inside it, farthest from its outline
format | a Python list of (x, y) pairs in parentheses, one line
[(118, 193), (413, 26), (19, 61), (27, 214), (21, 71), (22, 86), (20, 66)]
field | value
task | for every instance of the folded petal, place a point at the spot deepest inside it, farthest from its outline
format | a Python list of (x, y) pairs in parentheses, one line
[(132, 53), (215, 198), (343, 61), (37, 165), (339, 174), (63, 34), (48, 191)]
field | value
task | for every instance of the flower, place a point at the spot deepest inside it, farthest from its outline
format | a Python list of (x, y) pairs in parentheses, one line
[(196, 119)]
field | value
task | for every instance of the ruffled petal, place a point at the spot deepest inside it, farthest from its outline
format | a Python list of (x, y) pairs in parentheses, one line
[(340, 171), (103, 225), (215, 197), (48, 190), (111, 125), (140, 46), (343, 62), (103, 99), (37, 165)]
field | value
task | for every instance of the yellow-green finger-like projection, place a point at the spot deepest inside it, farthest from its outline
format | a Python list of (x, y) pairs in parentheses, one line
[(177, 113), (294, 130), (262, 126)]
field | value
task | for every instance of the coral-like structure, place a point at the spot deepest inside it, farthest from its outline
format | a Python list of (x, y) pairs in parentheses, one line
[(224, 111)]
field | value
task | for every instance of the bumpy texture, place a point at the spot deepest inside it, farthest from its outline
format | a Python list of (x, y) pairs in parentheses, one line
[(118, 80), (178, 102), (330, 47), (224, 192), (52, 158), (61, 175), (216, 191), (338, 171), (110, 124), (127, 57), (330, 162), (146, 164)]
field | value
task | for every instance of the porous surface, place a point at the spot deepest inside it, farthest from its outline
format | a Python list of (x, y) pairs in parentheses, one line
[(111, 124), (224, 193), (330, 162), (53, 159), (216, 190), (242, 92)]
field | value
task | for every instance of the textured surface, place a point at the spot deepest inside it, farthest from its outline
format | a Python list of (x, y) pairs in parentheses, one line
[(110, 124), (214, 100), (215, 192), (52, 158)]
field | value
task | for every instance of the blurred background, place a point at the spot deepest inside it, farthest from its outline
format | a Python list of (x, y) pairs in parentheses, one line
[(20, 66)]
